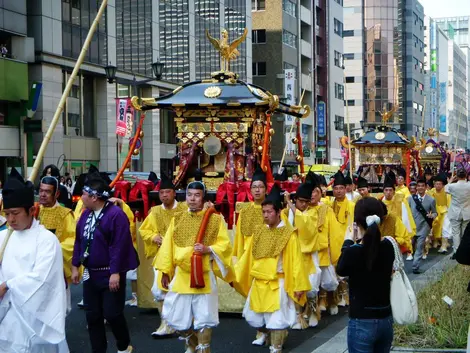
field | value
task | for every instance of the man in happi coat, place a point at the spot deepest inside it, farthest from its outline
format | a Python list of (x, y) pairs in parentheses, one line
[(190, 306), (32, 286), (60, 221), (103, 246), (272, 275), (152, 231)]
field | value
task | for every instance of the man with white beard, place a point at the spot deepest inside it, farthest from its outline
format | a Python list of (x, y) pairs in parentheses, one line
[(32, 284)]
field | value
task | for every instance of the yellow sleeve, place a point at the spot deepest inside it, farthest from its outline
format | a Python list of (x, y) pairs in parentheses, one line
[(78, 210), (295, 275), (336, 237), (402, 236), (164, 262), (243, 281), (148, 230), (222, 249), (307, 234), (239, 240), (130, 215), (67, 243)]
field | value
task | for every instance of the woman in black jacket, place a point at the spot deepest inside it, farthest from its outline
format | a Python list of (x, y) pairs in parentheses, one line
[(367, 259)]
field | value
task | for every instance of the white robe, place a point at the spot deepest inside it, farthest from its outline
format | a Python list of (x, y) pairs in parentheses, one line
[(33, 310)]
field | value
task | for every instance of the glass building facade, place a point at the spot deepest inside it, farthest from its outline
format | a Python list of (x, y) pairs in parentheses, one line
[(384, 58)]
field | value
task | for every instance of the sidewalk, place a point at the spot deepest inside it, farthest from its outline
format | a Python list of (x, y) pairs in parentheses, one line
[(338, 344)]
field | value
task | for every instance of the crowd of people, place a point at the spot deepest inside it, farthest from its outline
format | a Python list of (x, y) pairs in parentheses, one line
[(294, 257)]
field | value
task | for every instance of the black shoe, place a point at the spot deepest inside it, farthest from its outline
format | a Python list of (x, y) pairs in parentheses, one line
[(417, 272)]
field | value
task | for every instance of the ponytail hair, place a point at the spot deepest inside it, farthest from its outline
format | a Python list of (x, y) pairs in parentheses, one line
[(368, 213)]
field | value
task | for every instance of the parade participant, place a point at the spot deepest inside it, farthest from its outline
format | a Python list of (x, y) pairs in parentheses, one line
[(272, 275), (392, 226), (344, 212), (351, 194), (412, 188), (324, 188), (250, 216), (423, 208), (189, 303), (103, 246), (401, 187), (32, 287), (429, 184), (363, 187), (52, 171), (305, 219), (459, 209), (442, 205), (428, 174), (152, 231), (79, 208), (60, 221), (397, 206), (296, 178)]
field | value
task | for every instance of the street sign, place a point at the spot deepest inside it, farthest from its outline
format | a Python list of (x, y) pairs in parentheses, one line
[(321, 119), (34, 95), (31, 125), (138, 145)]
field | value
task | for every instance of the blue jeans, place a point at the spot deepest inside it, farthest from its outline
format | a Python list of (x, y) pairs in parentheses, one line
[(370, 335)]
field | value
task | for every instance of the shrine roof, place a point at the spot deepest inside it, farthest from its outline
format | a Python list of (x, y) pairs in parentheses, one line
[(382, 135)]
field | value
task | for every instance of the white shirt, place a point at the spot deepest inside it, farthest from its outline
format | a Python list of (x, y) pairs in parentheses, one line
[(33, 310)]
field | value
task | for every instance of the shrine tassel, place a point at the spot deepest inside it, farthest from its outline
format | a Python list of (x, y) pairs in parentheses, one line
[(197, 271)]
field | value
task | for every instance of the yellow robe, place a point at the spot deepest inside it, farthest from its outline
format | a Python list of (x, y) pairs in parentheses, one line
[(60, 220), (442, 205), (344, 213), (157, 223), (403, 190), (249, 218), (329, 245), (178, 247), (394, 227), (395, 207), (258, 268)]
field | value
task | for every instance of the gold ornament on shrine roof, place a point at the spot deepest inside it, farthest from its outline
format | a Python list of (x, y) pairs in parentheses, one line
[(212, 92), (228, 51)]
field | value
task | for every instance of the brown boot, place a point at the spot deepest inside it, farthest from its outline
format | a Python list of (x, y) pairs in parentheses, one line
[(204, 336), (164, 329), (278, 338), (333, 302), (190, 340), (435, 243), (301, 323), (262, 337), (343, 294), (313, 312)]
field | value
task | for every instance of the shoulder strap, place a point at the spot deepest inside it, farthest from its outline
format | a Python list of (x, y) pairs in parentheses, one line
[(398, 262), (5, 242), (421, 210)]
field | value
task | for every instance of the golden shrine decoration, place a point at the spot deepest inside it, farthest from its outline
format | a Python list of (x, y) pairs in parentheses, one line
[(228, 51)]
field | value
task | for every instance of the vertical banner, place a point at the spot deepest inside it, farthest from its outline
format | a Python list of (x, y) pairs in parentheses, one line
[(321, 120), (289, 91), (122, 105)]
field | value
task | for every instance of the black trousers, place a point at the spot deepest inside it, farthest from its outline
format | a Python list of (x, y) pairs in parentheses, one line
[(100, 304)]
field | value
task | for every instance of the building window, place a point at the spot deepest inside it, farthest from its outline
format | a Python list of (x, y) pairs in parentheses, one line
[(339, 91), (259, 68), (349, 33), (289, 38), (289, 7), (348, 56), (338, 59), (77, 17), (338, 27), (258, 36), (350, 102), (349, 79), (258, 5), (339, 123), (339, 2)]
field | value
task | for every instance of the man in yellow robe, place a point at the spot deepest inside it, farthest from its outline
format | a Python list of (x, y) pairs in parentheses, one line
[(344, 212), (272, 275), (152, 231), (399, 207), (192, 310), (60, 221), (401, 188), (305, 219), (363, 187), (251, 215), (442, 205)]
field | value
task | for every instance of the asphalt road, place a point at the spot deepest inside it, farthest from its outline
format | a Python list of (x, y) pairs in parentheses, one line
[(233, 335)]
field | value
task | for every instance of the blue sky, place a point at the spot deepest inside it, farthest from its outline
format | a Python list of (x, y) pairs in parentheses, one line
[(448, 8)]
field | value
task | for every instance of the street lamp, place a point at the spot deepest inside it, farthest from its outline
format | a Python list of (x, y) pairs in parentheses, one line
[(363, 124), (110, 73), (157, 69)]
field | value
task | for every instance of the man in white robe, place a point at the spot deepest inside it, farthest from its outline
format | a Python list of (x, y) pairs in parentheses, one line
[(32, 285)]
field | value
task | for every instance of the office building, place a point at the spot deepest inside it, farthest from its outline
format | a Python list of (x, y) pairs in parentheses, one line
[(299, 41), (387, 39)]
